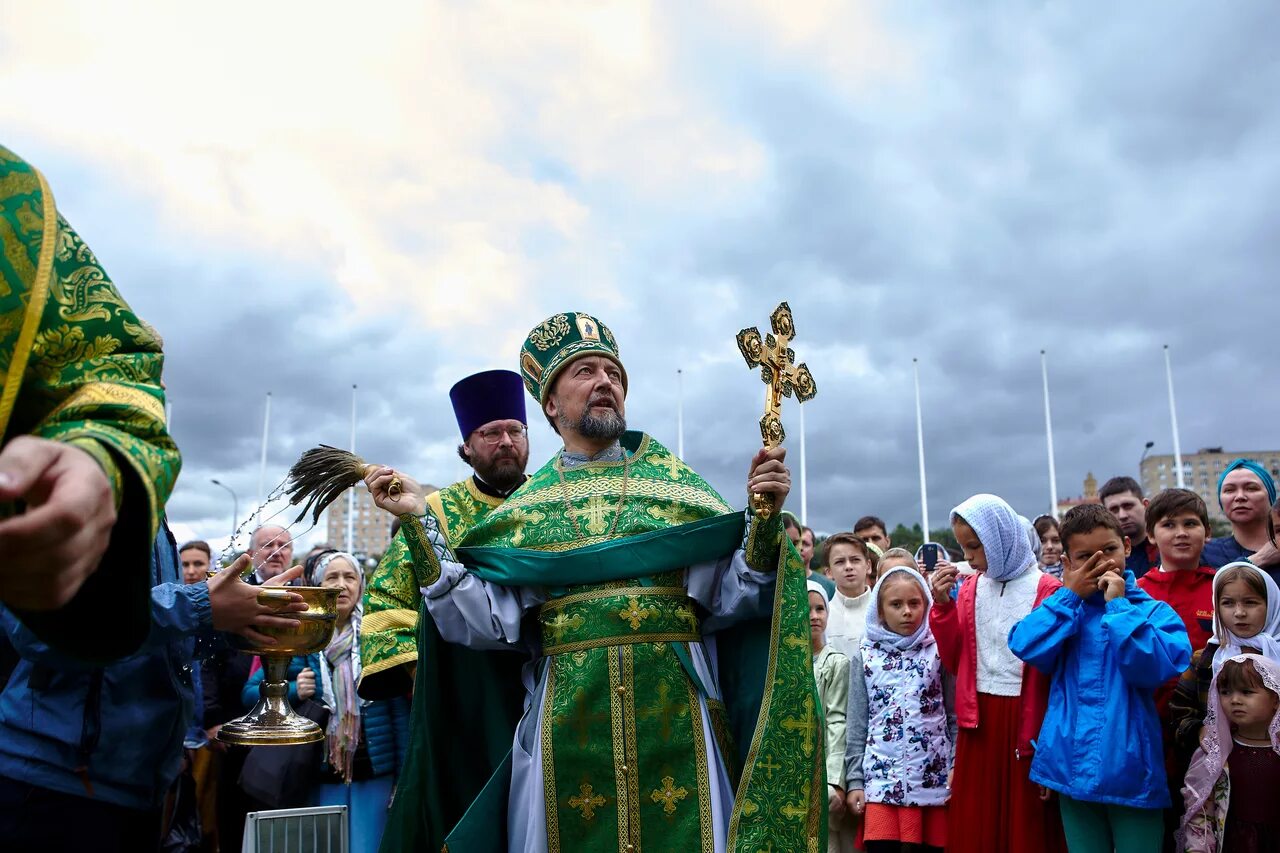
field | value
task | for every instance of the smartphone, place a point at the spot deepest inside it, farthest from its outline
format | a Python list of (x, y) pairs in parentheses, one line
[(930, 555)]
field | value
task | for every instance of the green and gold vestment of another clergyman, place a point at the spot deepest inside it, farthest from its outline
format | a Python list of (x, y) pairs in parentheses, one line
[(78, 366), (635, 728)]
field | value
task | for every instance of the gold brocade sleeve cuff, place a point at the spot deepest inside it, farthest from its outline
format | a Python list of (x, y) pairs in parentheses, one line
[(108, 464), (764, 538), (420, 548)]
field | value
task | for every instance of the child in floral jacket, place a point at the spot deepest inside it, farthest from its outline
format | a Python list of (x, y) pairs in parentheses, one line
[(902, 723)]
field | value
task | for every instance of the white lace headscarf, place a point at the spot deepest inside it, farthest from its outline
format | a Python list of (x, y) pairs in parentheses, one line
[(1005, 540), (1211, 757), (1266, 641)]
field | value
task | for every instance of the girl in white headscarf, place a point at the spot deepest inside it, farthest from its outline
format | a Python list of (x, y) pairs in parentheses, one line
[(1246, 617), (999, 703)]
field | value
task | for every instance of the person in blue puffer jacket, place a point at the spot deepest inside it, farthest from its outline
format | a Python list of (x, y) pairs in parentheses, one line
[(365, 741), (1107, 645), (87, 753)]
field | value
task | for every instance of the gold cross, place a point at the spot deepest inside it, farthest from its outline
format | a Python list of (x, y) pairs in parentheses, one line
[(581, 719), (664, 709), (793, 811), (520, 518), (563, 623), (669, 794), (587, 800), (796, 642), (673, 515), (769, 766), (594, 511), (668, 461), (634, 613), (778, 368), (806, 726), (685, 614)]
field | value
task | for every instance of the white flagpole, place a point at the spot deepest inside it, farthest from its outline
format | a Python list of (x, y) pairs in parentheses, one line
[(262, 466), (680, 413), (924, 492), (1173, 418), (1048, 433), (351, 493), (804, 476)]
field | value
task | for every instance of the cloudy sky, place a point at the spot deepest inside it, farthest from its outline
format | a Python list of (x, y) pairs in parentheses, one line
[(306, 196)]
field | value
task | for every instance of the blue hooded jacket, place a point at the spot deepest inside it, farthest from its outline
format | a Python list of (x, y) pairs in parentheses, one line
[(1100, 741), (113, 732)]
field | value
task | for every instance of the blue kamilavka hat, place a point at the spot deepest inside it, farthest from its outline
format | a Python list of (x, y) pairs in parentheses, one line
[(494, 395)]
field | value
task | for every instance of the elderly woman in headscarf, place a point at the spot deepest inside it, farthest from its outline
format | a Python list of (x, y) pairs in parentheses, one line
[(364, 741), (999, 702), (1246, 493)]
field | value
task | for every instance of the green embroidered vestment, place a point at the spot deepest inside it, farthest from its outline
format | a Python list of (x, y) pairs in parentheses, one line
[(78, 366), (623, 745)]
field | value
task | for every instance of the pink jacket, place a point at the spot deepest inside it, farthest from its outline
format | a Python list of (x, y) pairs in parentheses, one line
[(955, 631)]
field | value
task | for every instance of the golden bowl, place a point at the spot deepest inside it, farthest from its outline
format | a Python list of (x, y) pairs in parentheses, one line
[(315, 624)]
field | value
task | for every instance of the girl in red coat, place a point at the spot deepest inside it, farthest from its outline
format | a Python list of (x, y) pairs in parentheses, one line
[(999, 702)]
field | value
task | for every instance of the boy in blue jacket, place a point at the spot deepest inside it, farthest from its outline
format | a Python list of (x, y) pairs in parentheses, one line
[(1107, 645)]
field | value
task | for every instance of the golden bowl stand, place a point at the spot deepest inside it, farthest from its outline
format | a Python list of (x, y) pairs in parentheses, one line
[(273, 722)]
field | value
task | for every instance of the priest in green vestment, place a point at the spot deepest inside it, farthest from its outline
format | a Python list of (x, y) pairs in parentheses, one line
[(650, 722), (86, 463), (399, 640)]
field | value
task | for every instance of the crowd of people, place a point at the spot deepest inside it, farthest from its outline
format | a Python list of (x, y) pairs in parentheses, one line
[(1082, 684), (603, 654)]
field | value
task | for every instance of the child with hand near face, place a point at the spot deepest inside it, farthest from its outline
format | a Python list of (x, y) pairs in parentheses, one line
[(1230, 790), (902, 721), (1107, 645)]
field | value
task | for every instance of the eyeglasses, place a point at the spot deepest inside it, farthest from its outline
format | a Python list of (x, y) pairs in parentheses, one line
[(494, 434)]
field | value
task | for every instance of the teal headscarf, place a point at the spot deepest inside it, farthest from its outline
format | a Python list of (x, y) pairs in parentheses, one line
[(1256, 468)]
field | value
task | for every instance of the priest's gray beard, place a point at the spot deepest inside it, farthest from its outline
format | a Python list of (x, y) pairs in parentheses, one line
[(608, 427)]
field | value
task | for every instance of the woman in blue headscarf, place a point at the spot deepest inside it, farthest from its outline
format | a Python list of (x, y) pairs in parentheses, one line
[(1246, 492)]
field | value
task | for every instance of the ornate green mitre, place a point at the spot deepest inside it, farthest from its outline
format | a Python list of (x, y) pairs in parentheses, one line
[(558, 340), (78, 366)]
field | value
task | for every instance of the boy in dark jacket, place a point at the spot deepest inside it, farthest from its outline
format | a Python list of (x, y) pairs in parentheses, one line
[(1107, 644)]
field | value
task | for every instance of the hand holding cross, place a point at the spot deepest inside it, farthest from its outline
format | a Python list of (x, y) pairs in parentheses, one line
[(782, 375)]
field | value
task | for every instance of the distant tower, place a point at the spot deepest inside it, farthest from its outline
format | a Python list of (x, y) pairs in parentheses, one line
[(1091, 488)]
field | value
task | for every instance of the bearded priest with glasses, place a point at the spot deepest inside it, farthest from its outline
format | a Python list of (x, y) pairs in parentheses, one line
[(399, 642), (669, 691)]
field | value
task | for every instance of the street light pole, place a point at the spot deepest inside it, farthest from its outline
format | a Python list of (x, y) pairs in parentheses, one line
[(1143, 458), (235, 510)]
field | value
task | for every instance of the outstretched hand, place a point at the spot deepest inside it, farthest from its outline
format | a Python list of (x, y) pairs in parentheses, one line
[(237, 608), (51, 548), (769, 475), (405, 499)]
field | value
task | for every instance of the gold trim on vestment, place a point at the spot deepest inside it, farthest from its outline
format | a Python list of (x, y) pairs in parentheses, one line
[(665, 591), (388, 663), (35, 306), (704, 777), (771, 669), (621, 766), (384, 620), (603, 463), (550, 800), (621, 640), (110, 394), (628, 655)]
